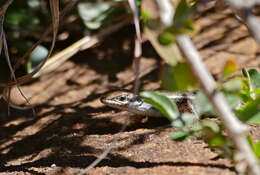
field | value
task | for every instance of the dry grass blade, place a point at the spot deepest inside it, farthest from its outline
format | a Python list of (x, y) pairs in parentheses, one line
[(5, 7), (28, 77), (13, 76), (1, 32), (54, 6), (49, 29), (55, 17), (82, 44), (3, 43), (2, 13)]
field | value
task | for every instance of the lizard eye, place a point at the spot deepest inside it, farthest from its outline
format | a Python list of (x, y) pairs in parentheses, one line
[(122, 98), (139, 99)]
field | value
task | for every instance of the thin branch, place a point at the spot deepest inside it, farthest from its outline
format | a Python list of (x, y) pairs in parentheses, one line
[(13, 76), (166, 11), (242, 4), (104, 154), (234, 127), (138, 44)]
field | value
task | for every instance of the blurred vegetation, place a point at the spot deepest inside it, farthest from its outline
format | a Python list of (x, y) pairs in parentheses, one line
[(26, 20)]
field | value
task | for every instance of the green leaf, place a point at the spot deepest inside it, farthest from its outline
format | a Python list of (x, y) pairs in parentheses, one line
[(145, 15), (178, 78), (256, 91), (255, 146), (245, 73), (257, 149), (182, 22), (168, 82), (211, 125), (233, 100), (233, 85), (217, 141), (166, 38), (167, 107), (22, 19), (184, 120), (229, 68), (95, 14), (251, 112), (251, 142), (202, 104), (180, 135), (255, 119), (182, 14), (170, 53), (35, 4), (197, 127), (254, 78), (36, 57)]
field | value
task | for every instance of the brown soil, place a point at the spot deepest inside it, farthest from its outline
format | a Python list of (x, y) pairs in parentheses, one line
[(72, 128)]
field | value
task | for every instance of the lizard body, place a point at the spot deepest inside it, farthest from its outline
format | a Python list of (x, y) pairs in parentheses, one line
[(136, 104)]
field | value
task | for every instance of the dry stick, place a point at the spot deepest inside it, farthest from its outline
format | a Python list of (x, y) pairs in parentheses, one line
[(235, 128), (138, 44)]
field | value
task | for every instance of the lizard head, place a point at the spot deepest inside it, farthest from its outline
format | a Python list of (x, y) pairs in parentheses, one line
[(122, 100), (129, 102)]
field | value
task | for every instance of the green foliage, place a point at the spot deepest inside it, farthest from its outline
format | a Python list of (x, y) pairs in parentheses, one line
[(182, 23), (162, 103), (36, 57), (255, 146), (182, 18), (249, 110), (166, 38), (21, 19), (203, 105), (229, 68), (97, 14), (180, 135), (145, 15), (178, 78), (242, 96), (169, 109), (163, 38), (253, 77)]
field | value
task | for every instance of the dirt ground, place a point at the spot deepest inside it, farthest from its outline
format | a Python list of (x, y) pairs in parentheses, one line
[(72, 128)]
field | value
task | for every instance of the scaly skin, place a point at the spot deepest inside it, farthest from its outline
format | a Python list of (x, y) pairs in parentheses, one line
[(127, 101)]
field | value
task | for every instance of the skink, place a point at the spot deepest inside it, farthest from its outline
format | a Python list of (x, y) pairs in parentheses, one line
[(136, 104)]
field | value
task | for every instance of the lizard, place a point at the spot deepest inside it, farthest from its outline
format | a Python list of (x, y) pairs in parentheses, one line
[(127, 101)]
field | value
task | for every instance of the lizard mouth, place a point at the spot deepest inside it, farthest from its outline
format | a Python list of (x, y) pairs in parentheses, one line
[(109, 102), (104, 100)]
